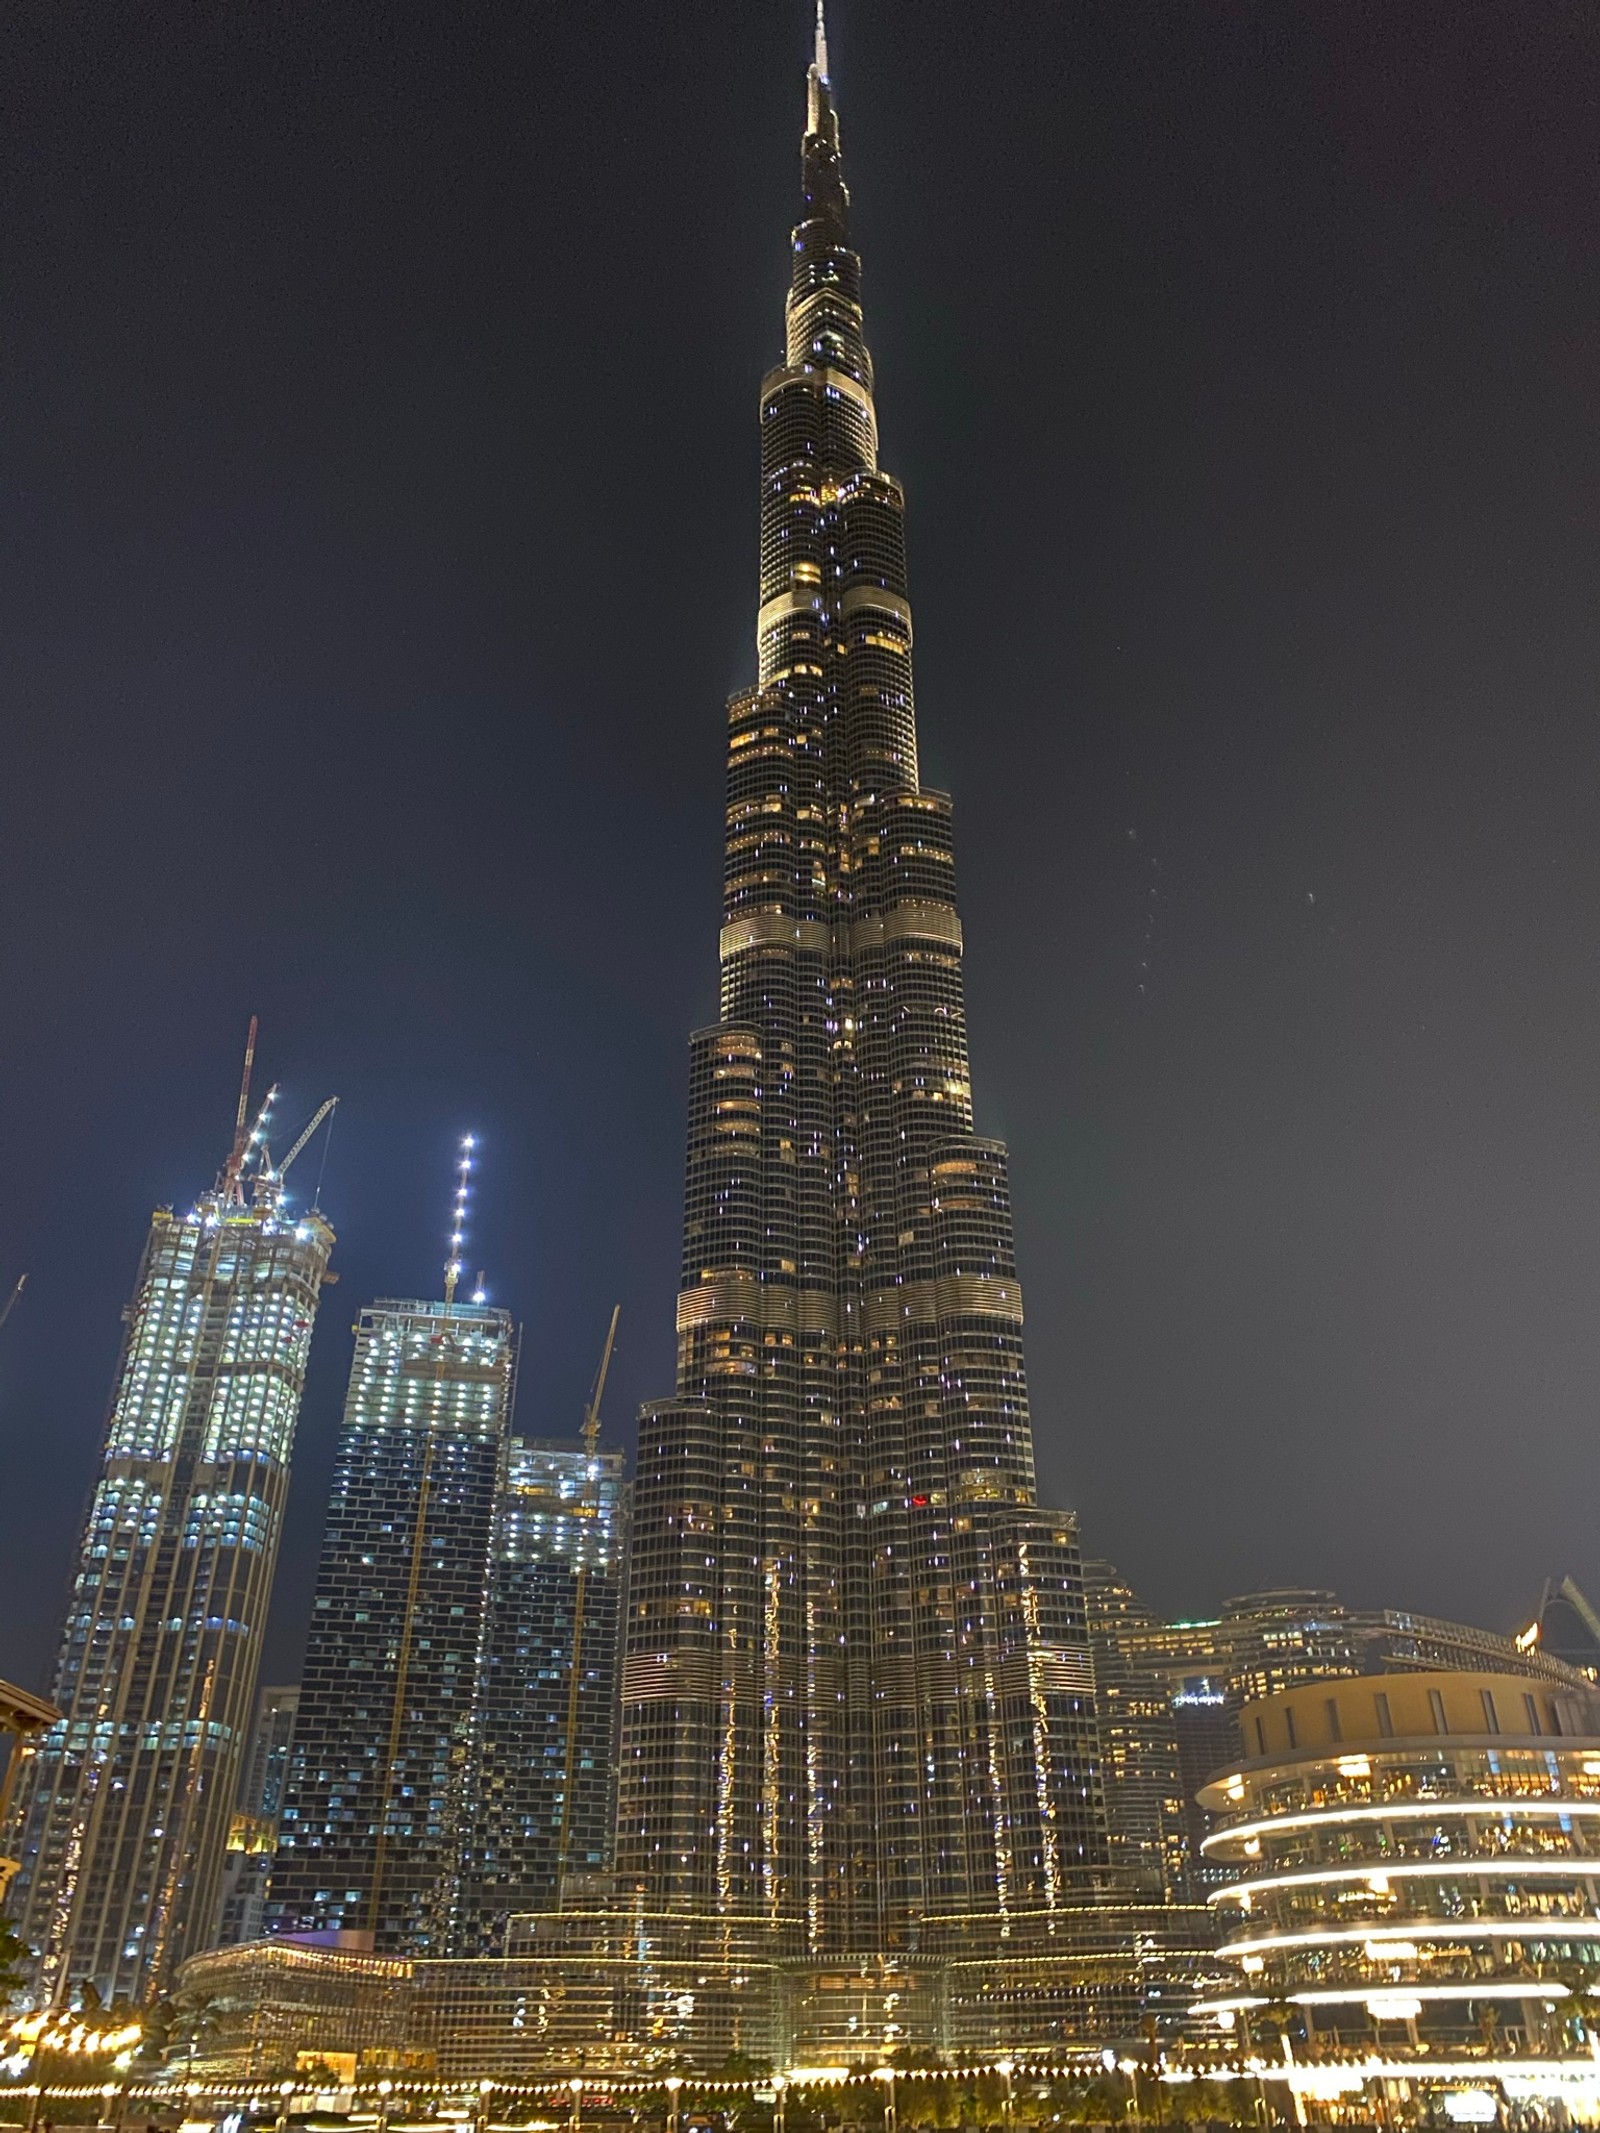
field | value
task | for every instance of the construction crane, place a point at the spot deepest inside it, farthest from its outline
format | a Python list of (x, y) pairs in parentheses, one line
[(591, 1414), (588, 1508), (10, 1303), (269, 1175), (331, 1105), (230, 1184)]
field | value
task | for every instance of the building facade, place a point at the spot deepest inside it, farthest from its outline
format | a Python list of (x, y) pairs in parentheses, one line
[(253, 1838), (1146, 1804), (544, 1750), (858, 1705), (122, 1809), (1415, 1859), (1172, 1692), (376, 1818)]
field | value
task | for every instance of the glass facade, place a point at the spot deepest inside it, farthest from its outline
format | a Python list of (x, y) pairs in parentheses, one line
[(123, 1809), (1145, 1797), (858, 1703), (253, 1838), (376, 1821), (543, 1790)]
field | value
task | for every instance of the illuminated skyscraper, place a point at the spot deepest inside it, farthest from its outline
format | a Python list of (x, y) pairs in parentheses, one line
[(1145, 1800), (375, 1820), (858, 1699), (123, 1809), (544, 1754)]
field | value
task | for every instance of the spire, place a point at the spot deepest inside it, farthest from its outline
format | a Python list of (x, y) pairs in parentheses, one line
[(824, 188), (458, 1223)]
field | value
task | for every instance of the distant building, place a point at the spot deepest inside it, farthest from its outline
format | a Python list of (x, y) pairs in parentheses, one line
[(376, 1818), (1413, 1859), (122, 1810), (1139, 1749), (253, 1838), (544, 1754), (1171, 1692)]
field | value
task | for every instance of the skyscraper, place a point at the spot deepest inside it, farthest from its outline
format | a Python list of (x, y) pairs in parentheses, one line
[(123, 1808), (253, 1837), (544, 1747), (858, 1700), (375, 1820), (1145, 1798)]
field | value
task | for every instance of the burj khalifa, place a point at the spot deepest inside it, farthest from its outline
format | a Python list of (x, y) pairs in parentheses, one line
[(858, 1703)]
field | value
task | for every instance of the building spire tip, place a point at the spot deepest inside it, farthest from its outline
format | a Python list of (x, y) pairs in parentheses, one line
[(822, 44)]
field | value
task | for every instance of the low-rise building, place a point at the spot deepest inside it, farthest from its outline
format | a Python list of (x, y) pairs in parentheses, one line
[(1417, 1859)]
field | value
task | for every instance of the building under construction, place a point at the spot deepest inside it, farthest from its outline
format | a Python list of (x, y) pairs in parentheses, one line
[(123, 1805)]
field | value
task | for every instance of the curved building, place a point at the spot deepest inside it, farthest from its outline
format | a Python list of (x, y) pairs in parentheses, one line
[(1418, 1857)]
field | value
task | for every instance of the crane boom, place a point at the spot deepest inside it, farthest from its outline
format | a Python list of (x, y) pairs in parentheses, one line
[(332, 1104), (10, 1303), (591, 1416)]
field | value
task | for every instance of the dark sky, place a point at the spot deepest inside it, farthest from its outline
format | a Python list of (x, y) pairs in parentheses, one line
[(377, 498)]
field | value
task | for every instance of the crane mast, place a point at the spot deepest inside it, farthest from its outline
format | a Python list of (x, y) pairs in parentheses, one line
[(588, 1508)]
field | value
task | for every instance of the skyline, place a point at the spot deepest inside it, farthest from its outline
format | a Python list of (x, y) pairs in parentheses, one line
[(385, 1162)]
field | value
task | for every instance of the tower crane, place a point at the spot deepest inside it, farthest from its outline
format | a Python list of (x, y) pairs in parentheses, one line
[(10, 1303), (588, 1508), (270, 1174), (323, 1112)]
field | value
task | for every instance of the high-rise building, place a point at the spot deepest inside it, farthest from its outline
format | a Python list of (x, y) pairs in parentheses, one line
[(1145, 1798), (375, 1820), (544, 1749), (253, 1838), (858, 1711), (122, 1809)]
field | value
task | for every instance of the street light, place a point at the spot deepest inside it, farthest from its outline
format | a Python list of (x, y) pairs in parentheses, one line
[(778, 2087), (385, 2091), (285, 2091), (1005, 2068), (674, 2084), (575, 2120), (885, 2074), (484, 2086)]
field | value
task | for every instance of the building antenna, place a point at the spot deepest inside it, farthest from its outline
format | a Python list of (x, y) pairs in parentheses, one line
[(458, 1222), (231, 1188), (822, 43)]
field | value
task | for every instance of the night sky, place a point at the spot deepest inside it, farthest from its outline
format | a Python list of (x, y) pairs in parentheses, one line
[(378, 509)]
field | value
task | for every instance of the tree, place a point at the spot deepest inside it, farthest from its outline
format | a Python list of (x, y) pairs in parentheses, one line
[(13, 1960)]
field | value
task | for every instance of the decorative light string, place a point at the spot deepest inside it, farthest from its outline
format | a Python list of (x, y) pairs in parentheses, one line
[(458, 1220)]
